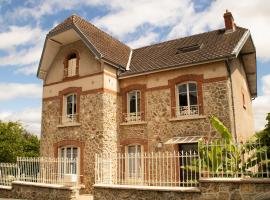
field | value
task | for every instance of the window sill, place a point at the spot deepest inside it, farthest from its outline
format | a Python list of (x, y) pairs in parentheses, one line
[(190, 117), (133, 123), (68, 125)]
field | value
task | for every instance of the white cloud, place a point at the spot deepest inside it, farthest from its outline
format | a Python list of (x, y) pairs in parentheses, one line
[(19, 35), (261, 105), (29, 117), (19, 90), (144, 40), (127, 16), (244, 15), (28, 70)]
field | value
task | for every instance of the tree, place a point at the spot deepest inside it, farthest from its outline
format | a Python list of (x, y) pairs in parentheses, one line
[(261, 155), (15, 142)]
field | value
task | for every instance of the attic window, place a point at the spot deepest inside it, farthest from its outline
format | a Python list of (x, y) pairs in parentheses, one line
[(189, 48)]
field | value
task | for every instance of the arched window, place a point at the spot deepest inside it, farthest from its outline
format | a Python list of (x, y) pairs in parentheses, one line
[(187, 99), (72, 63)]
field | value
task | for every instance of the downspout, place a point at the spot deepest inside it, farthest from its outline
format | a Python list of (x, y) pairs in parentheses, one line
[(230, 77)]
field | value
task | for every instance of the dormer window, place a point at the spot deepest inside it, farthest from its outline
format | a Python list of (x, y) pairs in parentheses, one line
[(71, 70), (71, 65), (189, 48)]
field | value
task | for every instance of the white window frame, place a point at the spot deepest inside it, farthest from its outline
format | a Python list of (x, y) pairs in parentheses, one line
[(70, 117), (134, 116), (64, 170), (188, 100), (138, 176)]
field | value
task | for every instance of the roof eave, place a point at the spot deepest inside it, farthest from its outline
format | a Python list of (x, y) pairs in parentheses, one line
[(172, 67)]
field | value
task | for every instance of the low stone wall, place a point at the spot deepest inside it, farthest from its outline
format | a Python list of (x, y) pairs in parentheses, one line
[(210, 189), (28, 190)]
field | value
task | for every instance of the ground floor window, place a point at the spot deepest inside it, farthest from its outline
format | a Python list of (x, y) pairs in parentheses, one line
[(70, 155), (134, 161)]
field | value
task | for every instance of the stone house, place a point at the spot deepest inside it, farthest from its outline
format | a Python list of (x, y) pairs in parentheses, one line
[(100, 95)]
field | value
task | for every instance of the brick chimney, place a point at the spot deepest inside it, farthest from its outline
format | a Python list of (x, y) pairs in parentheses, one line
[(229, 21)]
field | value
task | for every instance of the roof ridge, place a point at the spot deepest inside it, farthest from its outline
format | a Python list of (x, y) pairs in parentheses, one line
[(89, 23)]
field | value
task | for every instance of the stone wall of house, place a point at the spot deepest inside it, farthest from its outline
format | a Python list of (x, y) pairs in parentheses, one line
[(97, 130), (34, 191), (160, 126), (209, 190)]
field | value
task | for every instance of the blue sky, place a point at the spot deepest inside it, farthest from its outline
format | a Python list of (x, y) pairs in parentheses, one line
[(24, 24)]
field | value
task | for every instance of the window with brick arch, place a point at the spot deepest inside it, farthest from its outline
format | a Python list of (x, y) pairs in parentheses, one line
[(72, 65), (187, 99)]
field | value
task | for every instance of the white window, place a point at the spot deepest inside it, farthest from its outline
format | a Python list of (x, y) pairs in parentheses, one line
[(72, 63), (70, 108), (134, 161), (133, 105), (187, 99), (70, 155)]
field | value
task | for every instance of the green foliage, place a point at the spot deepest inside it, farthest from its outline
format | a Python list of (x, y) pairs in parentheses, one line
[(221, 129), (261, 155), (15, 142)]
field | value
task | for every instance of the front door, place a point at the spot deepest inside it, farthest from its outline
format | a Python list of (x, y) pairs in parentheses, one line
[(189, 169)]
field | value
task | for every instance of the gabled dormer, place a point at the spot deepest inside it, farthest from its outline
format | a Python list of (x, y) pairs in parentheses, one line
[(76, 31)]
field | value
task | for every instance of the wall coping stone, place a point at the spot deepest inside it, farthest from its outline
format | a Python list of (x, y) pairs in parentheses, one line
[(235, 180), (155, 188), (45, 185), (4, 187), (191, 117)]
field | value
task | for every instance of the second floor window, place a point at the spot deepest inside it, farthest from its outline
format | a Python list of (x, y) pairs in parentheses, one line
[(187, 99), (133, 105), (72, 65), (70, 109)]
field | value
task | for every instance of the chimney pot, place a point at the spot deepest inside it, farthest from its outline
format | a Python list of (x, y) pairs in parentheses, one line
[(229, 21)]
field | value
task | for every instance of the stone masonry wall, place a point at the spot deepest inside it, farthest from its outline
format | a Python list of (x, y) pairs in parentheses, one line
[(159, 123), (97, 130), (209, 190), (34, 191)]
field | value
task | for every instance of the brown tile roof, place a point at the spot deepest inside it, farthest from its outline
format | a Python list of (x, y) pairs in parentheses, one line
[(213, 45), (109, 47)]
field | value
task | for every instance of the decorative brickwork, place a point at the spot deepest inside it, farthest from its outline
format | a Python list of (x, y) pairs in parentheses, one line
[(124, 92), (189, 77)]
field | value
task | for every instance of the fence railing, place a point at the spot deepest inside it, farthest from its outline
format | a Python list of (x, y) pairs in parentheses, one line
[(63, 171), (8, 173), (184, 168), (68, 119), (133, 117), (182, 111), (149, 169), (235, 160)]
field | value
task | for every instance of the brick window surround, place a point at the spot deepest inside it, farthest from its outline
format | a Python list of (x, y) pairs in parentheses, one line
[(70, 90), (65, 62), (124, 92), (130, 141), (185, 78), (74, 143)]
